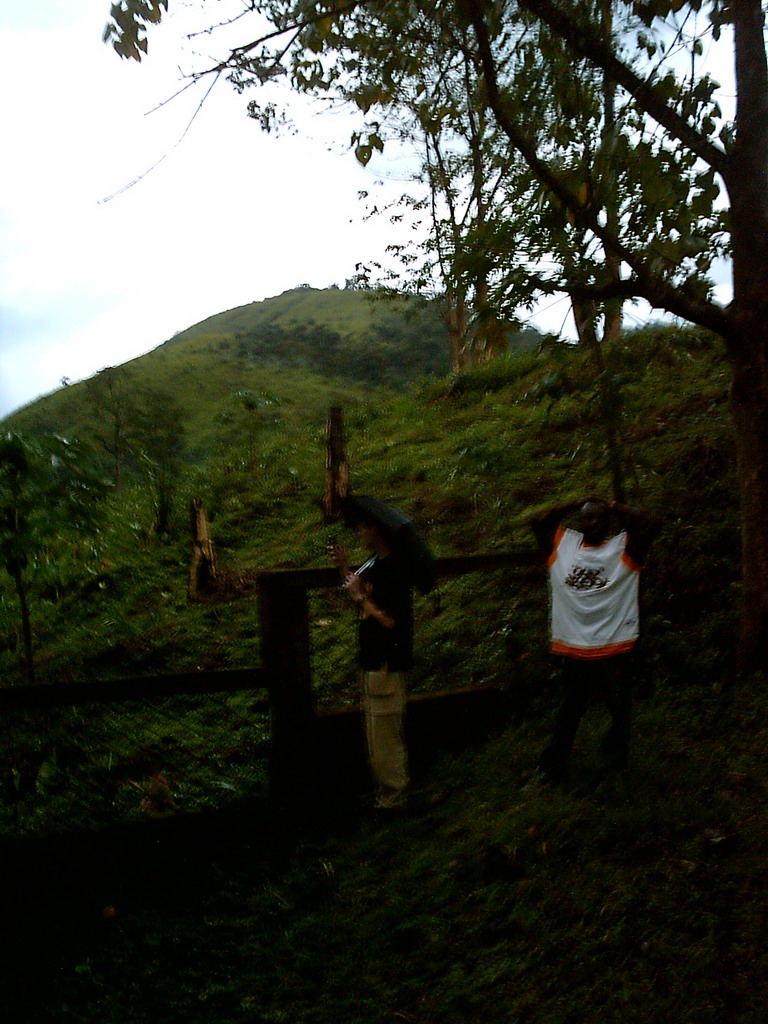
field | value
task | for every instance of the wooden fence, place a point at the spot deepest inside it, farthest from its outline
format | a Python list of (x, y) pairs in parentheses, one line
[(285, 673)]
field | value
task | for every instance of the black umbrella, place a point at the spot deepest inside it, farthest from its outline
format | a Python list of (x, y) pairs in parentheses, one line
[(405, 541)]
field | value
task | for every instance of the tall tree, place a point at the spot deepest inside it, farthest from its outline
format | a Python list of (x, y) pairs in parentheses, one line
[(46, 491), (431, 107), (159, 446), (113, 400)]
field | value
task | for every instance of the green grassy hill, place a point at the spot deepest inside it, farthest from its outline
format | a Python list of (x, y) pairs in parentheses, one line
[(346, 334), (305, 349), (639, 902), (348, 311)]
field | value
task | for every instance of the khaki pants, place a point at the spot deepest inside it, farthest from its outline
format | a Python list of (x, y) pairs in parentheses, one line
[(384, 712)]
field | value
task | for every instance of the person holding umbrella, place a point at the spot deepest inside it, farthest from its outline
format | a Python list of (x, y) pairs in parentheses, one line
[(382, 591)]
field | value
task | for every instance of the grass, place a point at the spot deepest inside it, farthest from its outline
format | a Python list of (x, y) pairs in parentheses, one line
[(641, 901)]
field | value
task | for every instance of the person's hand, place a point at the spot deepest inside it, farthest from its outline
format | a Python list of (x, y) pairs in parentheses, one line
[(353, 587)]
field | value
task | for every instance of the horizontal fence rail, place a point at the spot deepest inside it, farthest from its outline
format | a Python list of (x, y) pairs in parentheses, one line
[(57, 695), (450, 566), (54, 695)]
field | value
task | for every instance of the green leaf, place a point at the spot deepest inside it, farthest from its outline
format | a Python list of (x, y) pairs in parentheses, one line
[(363, 154)]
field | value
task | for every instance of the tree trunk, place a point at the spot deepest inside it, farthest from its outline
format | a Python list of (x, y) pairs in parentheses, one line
[(455, 300), (613, 308), (584, 315), (456, 323), (488, 338), (26, 624), (583, 318), (489, 331), (747, 181), (749, 407)]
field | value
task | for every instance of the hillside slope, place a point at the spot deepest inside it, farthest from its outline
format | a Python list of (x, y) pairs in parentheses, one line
[(321, 344), (205, 368), (469, 456)]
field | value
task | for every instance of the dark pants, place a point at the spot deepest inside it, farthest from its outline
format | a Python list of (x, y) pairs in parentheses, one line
[(607, 679)]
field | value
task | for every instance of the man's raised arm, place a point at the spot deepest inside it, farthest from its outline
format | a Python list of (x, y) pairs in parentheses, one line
[(642, 529), (545, 524)]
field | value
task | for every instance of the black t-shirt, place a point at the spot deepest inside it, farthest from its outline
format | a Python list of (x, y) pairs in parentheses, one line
[(387, 586)]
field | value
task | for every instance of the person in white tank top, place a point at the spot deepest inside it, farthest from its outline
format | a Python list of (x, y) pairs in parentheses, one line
[(594, 619)]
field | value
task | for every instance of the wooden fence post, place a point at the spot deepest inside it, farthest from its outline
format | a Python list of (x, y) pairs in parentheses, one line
[(202, 569), (336, 465), (284, 616)]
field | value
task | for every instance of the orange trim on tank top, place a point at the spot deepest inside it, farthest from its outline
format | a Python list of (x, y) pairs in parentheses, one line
[(586, 653)]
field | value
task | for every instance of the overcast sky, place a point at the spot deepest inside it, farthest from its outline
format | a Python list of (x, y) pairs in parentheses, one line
[(228, 216)]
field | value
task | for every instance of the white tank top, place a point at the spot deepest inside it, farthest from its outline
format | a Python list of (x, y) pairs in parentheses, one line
[(593, 596)]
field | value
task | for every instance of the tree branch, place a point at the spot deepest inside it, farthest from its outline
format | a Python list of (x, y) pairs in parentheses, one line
[(591, 45), (645, 284), (240, 51)]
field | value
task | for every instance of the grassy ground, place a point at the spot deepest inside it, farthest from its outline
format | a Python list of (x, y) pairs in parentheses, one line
[(640, 899)]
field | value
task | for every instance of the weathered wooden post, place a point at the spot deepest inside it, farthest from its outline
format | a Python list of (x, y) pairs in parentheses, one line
[(285, 644), (336, 465), (284, 614), (202, 568)]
